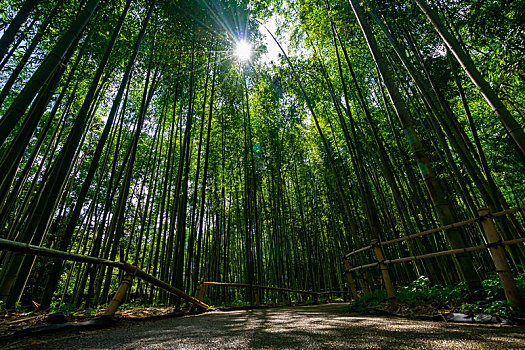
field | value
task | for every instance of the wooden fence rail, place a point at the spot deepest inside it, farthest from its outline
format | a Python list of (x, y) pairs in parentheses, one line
[(131, 271), (202, 286), (494, 244), (358, 250)]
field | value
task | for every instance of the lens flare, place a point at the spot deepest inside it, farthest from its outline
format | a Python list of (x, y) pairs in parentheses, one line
[(243, 50)]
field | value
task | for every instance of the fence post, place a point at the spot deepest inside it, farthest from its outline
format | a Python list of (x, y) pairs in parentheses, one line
[(120, 295), (201, 288), (257, 301), (384, 270), (316, 298), (283, 297), (350, 278), (500, 261), (365, 281)]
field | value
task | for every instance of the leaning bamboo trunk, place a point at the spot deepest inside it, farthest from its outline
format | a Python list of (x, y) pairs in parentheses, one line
[(29, 51), (196, 267), (511, 125), (66, 239), (442, 207), (45, 71), (14, 26)]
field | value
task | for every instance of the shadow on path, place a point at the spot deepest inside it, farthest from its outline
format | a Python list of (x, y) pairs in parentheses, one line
[(307, 327)]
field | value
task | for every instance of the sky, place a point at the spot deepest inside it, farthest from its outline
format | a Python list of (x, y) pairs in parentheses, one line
[(272, 47)]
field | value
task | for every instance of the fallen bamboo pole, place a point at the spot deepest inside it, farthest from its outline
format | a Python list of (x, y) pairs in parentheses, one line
[(436, 254), (363, 267), (420, 257), (168, 287), (514, 241), (427, 232), (224, 284), (447, 227), (419, 234), (508, 211)]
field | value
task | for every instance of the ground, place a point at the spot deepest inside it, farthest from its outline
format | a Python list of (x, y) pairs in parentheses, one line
[(323, 326)]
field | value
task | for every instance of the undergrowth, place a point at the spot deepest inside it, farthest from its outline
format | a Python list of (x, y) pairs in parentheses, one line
[(455, 296)]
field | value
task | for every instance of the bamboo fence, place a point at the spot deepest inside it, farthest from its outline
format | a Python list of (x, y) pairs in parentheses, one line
[(316, 294), (131, 270), (494, 244)]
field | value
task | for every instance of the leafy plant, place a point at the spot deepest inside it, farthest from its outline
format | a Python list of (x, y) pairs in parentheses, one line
[(66, 308), (420, 290), (375, 297)]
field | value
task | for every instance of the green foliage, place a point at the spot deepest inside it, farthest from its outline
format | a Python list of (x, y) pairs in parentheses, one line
[(420, 291), (496, 307), (374, 297), (66, 308), (494, 302), (236, 302)]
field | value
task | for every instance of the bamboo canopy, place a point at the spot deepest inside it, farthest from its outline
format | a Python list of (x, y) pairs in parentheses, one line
[(179, 149)]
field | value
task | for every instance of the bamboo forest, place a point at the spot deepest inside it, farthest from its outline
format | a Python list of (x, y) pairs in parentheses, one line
[(199, 153)]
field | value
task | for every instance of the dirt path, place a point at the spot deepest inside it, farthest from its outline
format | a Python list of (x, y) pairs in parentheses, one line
[(307, 327)]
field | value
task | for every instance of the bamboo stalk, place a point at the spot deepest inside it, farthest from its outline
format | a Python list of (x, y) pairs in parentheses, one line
[(200, 292), (257, 300)]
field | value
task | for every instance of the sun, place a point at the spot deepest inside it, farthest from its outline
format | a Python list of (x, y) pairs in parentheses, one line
[(243, 50)]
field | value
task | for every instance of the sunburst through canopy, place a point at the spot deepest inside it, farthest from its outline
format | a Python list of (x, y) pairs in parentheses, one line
[(243, 50)]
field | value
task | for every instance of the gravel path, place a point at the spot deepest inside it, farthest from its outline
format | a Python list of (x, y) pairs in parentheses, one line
[(307, 327)]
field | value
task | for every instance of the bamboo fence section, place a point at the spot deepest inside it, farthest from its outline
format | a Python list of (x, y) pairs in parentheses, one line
[(443, 228), (201, 289), (25, 248), (494, 244), (131, 270)]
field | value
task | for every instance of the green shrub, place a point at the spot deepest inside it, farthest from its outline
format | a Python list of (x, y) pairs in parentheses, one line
[(420, 290), (375, 297)]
